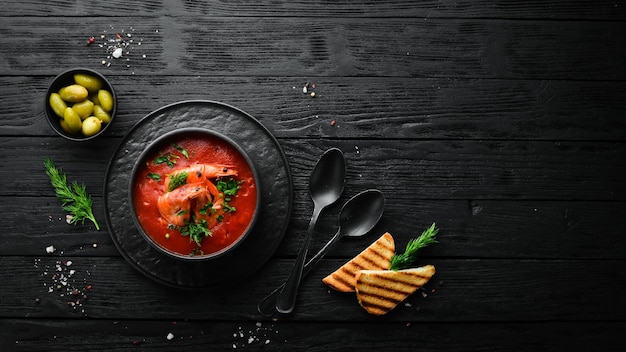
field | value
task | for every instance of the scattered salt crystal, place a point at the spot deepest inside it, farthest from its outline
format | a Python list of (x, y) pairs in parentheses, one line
[(117, 53), (250, 340), (258, 324), (50, 249), (170, 336), (304, 90), (68, 263)]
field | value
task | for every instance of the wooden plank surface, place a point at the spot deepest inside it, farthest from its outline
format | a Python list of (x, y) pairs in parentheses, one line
[(74, 335), (266, 46), (463, 290), (365, 107), (502, 122), (433, 169), (567, 229), (537, 9)]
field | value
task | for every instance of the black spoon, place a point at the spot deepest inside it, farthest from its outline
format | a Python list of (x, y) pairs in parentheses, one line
[(325, 187), (358, 216)]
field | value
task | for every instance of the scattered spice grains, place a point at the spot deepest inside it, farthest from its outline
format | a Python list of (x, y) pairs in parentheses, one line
[(309, 88), (63, 279), (260, 335), (117, 44)]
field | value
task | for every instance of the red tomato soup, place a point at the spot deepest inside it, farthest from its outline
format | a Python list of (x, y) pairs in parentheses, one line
[(199, 170)]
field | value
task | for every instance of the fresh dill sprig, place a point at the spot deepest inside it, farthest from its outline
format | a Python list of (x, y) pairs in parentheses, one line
[(405, 260), (75, 199)]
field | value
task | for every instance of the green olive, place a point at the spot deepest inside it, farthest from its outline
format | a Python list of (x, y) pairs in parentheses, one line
[(84, 108), (91, 126), (106, 100), (99, 112), (72, 120), (94, 99), (93, 84), (57, 104), (65, 127), (73, 93)]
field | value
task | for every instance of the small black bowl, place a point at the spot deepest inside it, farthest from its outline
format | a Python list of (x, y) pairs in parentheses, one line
[(65, 79), (167, 139)]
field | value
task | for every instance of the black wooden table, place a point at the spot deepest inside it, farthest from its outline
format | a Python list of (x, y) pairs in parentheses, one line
[(503, 122)]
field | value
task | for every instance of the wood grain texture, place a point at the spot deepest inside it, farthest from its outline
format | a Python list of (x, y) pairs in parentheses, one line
[(108, 335), (271, 47), (550, 10), (367, 107), (502, 122), (535, 229), (461, 291), (431, 169)]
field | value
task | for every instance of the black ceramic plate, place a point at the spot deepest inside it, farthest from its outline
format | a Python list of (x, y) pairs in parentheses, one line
[(276, 195)]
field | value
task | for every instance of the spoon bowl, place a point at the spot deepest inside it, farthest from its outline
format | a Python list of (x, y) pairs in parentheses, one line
[(359, 215), (327, 178)]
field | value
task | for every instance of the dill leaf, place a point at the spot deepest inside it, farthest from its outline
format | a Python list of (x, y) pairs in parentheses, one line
[(405, 260), (74, 196)]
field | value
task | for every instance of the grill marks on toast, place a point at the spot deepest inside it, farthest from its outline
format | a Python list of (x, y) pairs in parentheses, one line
[(379, 291), (375, 257)]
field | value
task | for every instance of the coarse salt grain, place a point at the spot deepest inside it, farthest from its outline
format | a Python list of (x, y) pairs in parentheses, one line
[(117, 53), (170, 336), (50, 249)]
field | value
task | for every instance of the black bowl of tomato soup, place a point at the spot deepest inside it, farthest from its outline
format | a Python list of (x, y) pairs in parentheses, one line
[(194, 194)]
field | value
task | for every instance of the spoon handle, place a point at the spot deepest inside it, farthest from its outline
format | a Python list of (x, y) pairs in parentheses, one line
[(267, 306), (287, 297)]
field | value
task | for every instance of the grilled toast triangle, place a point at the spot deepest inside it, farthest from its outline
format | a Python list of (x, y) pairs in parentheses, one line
[(376, 256), (379, 291)]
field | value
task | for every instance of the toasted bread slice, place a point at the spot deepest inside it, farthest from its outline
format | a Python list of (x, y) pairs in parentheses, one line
[(375, 257), (379, 291)]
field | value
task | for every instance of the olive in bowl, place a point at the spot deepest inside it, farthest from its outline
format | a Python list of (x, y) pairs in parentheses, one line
[(80, 104)]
